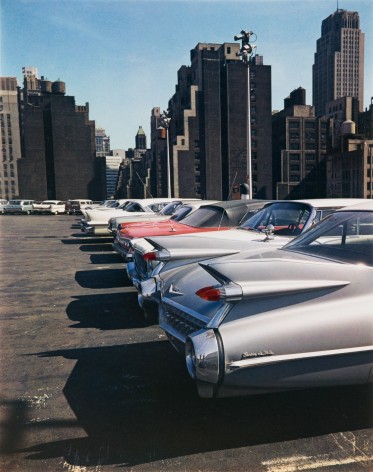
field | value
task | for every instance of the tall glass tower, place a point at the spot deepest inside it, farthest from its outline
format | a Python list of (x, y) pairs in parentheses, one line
[(338, 70)]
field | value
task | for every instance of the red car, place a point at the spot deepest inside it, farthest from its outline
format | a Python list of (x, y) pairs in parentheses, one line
[(212, 217)]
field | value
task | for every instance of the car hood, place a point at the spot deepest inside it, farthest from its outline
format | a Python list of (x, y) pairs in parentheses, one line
[(209, 244)]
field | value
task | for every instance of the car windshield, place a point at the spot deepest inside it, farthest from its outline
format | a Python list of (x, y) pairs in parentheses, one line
[(111, 204), (181, 213), (124, 205), (170, 208), (287, 218), (132, 207), (343, 236)]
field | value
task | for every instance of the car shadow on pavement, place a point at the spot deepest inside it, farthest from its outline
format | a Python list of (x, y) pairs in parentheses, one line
[(79, 239), (96, 247), (137, 405), (102, 278), (106, 258), (106, 311)]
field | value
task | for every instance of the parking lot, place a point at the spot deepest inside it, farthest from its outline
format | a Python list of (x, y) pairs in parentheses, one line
[(87, 386)]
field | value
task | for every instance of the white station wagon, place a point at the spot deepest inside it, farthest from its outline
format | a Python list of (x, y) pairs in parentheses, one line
[(19, 206)]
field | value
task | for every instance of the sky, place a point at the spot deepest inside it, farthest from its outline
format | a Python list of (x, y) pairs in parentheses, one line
[(122, 56)]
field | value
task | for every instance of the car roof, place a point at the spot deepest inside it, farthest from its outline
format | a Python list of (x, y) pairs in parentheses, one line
[(365, 206), (228, 204), (329, 202)]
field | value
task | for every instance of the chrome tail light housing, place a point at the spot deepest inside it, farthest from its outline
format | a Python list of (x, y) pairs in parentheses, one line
[(203, 356)]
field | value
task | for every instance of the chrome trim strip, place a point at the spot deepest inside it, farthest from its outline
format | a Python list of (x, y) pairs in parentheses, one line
[(293, 357)]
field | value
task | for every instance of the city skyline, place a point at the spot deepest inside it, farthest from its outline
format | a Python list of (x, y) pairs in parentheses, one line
[(122, 57)]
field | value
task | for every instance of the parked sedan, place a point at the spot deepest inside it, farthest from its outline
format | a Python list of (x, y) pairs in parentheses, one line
[(200, 217), (167, 212), (296, 317), (273, 226), (212, 218), (96, 222), (55, 207)]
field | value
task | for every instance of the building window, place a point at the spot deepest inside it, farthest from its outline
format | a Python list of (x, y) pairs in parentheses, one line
[(294, 167), (310, 157), (294, 178), (310, 125), (294, 146), (294, 124), (295, 156)]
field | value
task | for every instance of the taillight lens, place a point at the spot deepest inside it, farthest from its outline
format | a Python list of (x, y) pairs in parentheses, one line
[(150, 256), (210, 294)]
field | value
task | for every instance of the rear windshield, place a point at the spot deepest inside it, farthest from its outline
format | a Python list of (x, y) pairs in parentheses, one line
[(207, 218)]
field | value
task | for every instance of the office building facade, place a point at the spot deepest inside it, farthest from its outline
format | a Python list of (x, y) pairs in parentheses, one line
[(300, 146), (58, 143), (338, 69), (10, 138), (208, 128), (102, 142)]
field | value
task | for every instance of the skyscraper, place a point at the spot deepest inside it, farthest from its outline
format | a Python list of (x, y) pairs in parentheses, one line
[(208, 132), (58, 143), (338, 70)]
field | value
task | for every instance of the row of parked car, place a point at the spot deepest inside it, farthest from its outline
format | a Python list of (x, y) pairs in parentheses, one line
[(258, 296), (54, 207)]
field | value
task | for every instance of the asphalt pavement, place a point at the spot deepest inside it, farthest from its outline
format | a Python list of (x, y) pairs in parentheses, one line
[(86, 386)]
